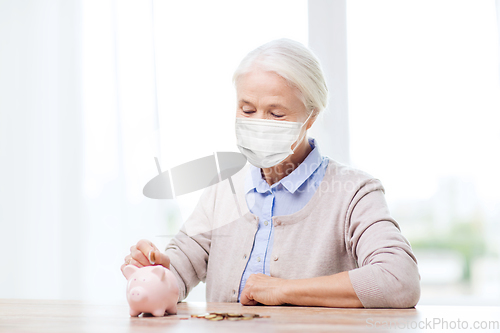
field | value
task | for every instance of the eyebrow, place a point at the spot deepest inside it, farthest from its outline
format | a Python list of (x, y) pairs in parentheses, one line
[(278, 106)]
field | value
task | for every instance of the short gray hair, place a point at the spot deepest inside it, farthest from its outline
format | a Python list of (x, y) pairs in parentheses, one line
[(295, 63)]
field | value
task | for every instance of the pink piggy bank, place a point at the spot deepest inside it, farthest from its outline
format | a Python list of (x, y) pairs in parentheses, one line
[(151, 289)]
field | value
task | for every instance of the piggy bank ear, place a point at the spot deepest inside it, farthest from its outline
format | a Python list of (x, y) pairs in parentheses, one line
[(129, 270), (159, 270)]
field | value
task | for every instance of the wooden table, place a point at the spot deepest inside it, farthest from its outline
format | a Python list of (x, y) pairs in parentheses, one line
[(17, 315)]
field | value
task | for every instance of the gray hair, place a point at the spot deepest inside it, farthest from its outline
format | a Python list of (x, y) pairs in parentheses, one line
[(295, 63)]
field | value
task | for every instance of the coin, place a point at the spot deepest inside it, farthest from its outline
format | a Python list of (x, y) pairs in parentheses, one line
[(216, 316), (252, 315), (151, 257)]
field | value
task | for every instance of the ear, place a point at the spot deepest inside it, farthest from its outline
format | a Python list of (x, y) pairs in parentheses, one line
[(159, 270), (312, 119), (129, 270)]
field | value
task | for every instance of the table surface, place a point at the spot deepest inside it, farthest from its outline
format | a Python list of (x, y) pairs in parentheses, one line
[(20, 315)]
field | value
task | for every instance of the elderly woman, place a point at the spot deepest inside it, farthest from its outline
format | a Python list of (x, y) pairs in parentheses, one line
[(313, 232)]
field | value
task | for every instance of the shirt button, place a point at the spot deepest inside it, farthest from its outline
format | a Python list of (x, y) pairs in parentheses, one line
[(275, 258), (277, 222), (266, 223), (244, 256), (258, 259), (234, 292)]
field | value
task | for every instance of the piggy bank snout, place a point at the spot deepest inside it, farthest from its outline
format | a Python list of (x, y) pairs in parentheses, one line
[(138, 294)]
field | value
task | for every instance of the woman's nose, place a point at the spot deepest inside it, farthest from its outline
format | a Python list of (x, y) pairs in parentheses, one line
[(260, 115)]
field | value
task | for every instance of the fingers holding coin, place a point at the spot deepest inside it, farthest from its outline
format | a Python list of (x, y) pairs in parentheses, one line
[(137, 257), (145, 253), (149, 250), (129, 260), (152, 255)]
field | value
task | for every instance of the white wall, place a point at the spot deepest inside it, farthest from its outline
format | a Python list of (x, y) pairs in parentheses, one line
[(41, 149)]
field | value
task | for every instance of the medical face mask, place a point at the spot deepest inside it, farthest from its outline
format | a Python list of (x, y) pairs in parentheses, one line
[(266, 142)]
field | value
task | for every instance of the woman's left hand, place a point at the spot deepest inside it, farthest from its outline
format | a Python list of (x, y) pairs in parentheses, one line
[(264, 289)]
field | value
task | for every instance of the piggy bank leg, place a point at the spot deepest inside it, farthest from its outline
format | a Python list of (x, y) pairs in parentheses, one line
[(172, 309), (134, 313), (158, 313)]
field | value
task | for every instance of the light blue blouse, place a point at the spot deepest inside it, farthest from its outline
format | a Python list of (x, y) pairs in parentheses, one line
[(285, 197)]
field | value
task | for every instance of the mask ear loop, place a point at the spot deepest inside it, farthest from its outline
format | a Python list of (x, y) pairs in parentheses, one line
[(305, 122)]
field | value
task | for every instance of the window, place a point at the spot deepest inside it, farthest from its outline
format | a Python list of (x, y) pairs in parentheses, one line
[(424, 105)]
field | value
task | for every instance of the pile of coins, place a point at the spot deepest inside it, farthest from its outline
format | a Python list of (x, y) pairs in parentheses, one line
[(216, 316)]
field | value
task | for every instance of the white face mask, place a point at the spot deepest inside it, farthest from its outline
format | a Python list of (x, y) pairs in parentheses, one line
[(266, 142)]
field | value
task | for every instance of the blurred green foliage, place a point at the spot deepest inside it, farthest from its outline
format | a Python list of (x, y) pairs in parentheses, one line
[(466, 238)]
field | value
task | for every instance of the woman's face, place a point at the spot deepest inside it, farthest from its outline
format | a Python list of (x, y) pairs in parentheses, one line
[(266, 95)]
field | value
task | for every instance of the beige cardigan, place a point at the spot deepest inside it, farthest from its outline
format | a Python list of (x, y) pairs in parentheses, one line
[(346, 226)]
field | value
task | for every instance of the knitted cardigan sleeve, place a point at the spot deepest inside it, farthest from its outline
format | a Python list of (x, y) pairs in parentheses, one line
[(387, 274)]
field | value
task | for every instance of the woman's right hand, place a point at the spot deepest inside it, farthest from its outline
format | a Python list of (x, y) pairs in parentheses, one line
[(139, 255)]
